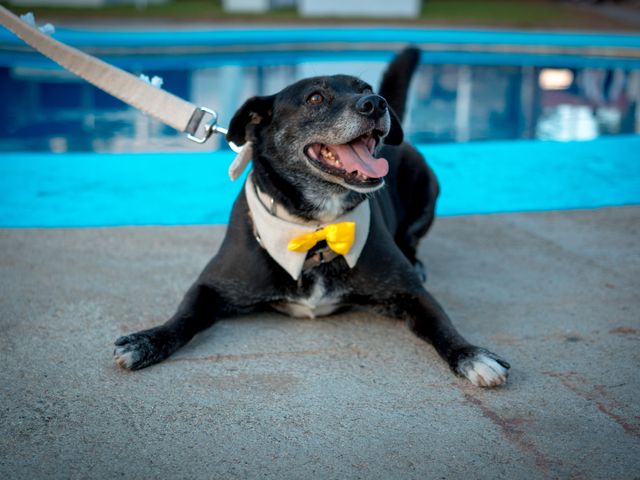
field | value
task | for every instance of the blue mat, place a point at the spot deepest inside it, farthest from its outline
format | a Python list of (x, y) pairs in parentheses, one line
[(74, 190)]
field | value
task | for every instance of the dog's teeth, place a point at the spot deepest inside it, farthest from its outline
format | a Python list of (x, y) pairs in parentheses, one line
[(329, 157), (327, 154)]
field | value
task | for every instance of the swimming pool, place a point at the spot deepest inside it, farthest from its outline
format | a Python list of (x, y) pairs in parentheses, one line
[(470, 86), (496, 92)]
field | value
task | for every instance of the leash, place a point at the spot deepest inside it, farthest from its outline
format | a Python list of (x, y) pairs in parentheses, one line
[(160, 104)]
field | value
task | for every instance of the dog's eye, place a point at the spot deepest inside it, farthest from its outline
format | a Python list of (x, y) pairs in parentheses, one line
[(315, 99)]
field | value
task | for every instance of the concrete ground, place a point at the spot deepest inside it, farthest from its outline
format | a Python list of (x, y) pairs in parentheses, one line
[(350, 396)]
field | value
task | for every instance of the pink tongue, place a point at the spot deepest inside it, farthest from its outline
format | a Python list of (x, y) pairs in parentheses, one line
[(355, 156)]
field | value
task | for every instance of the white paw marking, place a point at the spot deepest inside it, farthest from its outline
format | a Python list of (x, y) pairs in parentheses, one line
[(483, 371), (124, 358)]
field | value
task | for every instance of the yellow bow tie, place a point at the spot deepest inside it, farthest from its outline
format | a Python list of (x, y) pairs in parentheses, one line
[(339, 237)]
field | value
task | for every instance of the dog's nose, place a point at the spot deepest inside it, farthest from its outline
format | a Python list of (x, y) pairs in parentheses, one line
[(371, 105)]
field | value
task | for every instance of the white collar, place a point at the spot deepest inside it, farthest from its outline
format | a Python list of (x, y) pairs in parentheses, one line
[(275, 233)]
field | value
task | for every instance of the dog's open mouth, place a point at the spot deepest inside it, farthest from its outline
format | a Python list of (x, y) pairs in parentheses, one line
[(352, 161)]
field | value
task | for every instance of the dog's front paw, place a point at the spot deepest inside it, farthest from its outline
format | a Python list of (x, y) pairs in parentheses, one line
[(139, 350), (482, 367)]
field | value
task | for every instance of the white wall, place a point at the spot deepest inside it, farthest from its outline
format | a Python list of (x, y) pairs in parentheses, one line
[(359, 8)]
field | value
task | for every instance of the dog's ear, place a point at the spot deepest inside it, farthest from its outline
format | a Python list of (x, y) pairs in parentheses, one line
[(257, 111), (395, 135)]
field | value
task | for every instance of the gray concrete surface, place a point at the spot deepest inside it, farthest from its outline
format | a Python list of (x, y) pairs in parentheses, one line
[(350, 396)]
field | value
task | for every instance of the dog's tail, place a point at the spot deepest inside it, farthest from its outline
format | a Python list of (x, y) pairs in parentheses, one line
[(397, 77)]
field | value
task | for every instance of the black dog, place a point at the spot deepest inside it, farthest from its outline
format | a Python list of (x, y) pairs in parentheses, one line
[(313, 165)]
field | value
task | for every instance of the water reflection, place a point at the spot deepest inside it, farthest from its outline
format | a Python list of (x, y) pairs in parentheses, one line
[(51, 110)]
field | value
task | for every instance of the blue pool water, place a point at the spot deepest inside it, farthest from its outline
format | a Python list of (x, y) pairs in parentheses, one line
[(480, 104), (88, 189)]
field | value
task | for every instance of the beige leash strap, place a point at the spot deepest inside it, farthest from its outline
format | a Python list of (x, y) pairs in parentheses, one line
[(160, 104)]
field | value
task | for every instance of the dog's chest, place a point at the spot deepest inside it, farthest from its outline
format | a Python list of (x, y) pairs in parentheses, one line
[(318, 302)]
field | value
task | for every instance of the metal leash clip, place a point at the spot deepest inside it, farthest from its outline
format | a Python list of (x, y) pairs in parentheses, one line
[(211, 128)]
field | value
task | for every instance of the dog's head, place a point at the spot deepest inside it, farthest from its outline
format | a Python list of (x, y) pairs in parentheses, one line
[(323, 131)]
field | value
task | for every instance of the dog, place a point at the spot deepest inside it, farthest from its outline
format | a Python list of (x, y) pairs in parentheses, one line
[(329, 219)]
